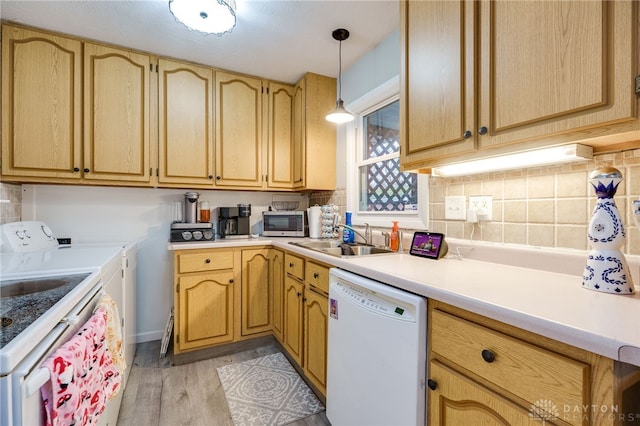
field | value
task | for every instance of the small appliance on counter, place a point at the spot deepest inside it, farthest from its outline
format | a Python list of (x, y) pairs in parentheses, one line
[(287, 223), (233, 222), (189, 229)]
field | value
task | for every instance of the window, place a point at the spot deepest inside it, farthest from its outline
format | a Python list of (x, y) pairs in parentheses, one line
[(377, 191)]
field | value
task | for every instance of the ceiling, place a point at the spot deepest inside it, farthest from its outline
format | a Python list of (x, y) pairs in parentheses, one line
[(275, 39)]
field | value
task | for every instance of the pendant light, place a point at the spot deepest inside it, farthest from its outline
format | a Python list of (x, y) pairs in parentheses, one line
[(206, 16), (340, 114)]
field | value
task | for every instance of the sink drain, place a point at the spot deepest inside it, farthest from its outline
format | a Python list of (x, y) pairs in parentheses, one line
[(5, 322)]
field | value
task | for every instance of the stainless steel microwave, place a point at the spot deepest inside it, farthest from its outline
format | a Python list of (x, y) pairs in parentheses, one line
[(285, 224)]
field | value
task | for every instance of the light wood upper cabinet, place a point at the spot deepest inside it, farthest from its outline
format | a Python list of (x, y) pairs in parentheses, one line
[(239, 132), (280, 151), (185, 121), (314, 136), (41, 104), (116, 114), (501, 75)]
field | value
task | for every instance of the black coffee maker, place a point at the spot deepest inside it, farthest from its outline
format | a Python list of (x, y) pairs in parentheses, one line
[(234, 221)]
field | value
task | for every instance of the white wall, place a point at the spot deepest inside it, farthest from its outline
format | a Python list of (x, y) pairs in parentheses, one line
[(378, 66), (143, 215)]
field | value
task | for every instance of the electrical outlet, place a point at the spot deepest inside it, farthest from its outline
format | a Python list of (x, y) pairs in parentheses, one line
[(482, 205), (454, 207)]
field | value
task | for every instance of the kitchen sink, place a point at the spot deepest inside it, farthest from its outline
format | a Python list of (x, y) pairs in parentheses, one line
[(339, 249)]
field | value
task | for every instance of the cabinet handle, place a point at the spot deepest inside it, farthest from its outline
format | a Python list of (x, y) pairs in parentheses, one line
[(76, 169), (483, 130), (299, 294), (467, 134), (210, 176), (207, 261), (304, 299), (291, 265), (315, 275), (218, 178), (488, 356), (86, 170), (432, 384), (231, 281)]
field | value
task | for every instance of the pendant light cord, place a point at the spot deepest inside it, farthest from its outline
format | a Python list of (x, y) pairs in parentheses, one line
[(340, 70)]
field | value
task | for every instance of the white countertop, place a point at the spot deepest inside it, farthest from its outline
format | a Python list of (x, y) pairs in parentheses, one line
[(552, 304)]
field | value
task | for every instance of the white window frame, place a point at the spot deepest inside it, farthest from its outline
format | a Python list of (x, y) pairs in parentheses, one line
[(384, 94)]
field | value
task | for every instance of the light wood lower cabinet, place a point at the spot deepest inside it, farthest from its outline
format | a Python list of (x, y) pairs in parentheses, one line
[(205, 298), (257, 291), (293, 318), (482, 371), (276, 275), (316, 317)]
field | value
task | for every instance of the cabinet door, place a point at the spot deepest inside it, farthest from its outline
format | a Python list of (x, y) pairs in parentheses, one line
[(185, 120), (436, 80), (319, 135), (316, 315), (280, 152), (205, 310), (239, 131), (457, 400), (293, 311), (276, 273), (41, 104), (116, 114), (256, 291), (553, 67), (299, 163)]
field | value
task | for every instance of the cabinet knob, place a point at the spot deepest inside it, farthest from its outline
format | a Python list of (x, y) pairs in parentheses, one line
[(86, 170), (218, 178), (432, 384), (210, 176), (315, 275), (467, 134), (290, 265), (488, 356), (304, 299), (299, 294), (76, 169), (207, 261), (231, 281), (483, 130)]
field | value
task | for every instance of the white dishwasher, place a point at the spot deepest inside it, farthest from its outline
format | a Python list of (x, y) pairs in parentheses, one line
[(377, 353)]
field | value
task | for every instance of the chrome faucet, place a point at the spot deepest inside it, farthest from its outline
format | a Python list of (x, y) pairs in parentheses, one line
[(367, 232)]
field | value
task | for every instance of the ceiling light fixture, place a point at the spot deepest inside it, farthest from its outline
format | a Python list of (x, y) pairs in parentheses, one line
[(340, 114), (539, 157), (206, 16)]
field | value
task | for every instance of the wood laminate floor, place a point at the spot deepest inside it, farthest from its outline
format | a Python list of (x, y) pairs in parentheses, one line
[(159, 393)]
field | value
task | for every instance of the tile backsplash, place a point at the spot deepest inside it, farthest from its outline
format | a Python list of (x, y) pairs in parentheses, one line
[(542, 207), (546, 207), (10, 202)]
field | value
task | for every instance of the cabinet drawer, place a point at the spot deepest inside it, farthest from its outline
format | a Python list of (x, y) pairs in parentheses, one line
[(317, 276), (525, 370), (294, 266), (209, 261)]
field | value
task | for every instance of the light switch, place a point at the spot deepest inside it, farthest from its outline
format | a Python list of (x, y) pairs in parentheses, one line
[(455, 208)]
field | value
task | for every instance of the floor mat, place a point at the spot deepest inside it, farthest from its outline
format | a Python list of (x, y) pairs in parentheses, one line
[(267, 391)]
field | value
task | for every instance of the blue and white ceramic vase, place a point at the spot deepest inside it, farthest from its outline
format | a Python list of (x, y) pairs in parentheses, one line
[(606, 269)]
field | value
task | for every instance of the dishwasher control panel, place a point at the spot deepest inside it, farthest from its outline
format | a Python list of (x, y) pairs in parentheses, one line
[(374, 302)]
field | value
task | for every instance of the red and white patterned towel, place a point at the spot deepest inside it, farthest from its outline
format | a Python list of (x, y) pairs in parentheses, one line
[(82, 376)]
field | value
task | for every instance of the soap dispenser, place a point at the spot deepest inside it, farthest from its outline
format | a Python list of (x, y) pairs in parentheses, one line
[(395, 237), (348, 236)]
